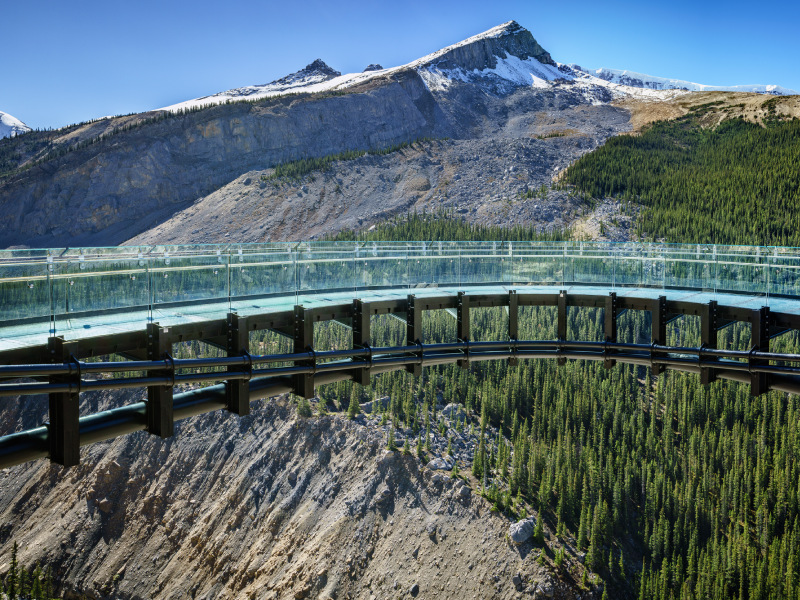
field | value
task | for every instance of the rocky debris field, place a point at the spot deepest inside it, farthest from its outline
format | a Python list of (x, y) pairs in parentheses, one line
[(272, 506), (502, 178)]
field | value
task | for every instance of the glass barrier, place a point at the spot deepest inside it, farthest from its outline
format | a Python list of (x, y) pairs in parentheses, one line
[(89, 291)]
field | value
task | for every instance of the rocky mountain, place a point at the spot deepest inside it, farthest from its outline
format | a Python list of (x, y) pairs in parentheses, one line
[(11, 126), (640, 80), (118, 179), (271, 506)]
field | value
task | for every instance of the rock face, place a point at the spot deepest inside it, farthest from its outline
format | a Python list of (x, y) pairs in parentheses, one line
[(252, 507), (145, 169), (373, 67)]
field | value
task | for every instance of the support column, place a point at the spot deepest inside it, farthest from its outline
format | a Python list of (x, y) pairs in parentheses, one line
[(63, 429), (159, 411), (237, 391), (413, 330), (361, 335), (562, 321), (659, 328), (462, 327), (708, 337), (304, 342), (611, 326), (513, 322), (759, 382)]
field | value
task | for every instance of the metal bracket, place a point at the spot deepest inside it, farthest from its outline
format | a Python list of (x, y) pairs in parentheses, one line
[(610, 328), (462, 327), (237, 391), (414, 331), (513, 325), (160, 417), (562, 324), (759, 382), (361, 338), (64, 425), (708, 338), (659, 330), (304, 342)]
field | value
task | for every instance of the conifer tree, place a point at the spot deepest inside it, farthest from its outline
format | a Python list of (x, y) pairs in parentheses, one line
[(353, 408)]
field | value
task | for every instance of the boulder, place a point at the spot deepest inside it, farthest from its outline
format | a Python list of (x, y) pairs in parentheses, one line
[(105, 505), (465, 492), (444, 463), (522, 531), (452, 410)]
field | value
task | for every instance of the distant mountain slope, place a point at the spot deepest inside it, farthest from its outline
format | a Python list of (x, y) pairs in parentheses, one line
[(11, 126), (640, 80)]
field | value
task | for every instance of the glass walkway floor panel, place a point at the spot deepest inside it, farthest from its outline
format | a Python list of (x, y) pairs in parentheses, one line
[(99, 292)]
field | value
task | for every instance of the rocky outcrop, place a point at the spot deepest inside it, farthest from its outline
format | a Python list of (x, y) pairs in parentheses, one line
[(114, 183), (266, 506)]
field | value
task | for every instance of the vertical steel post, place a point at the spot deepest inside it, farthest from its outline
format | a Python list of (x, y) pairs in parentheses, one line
[(413, 330), (237, 391), (759, 382), (562, 321), (361, 337), (160, 420), (513, 322), (304, 342), (63, 429), (610, 325), (708, 337), (462, 326), (659, 328)]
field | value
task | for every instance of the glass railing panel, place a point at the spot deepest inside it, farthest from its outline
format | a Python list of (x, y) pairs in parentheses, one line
[(257, 270), (377, 267), (101, 290), (482, 264), (741, 269), (628, 265), (25, 296), (326, 269), (783, 271), (189, 282), (534, 263), (689, 266), (591, 263)]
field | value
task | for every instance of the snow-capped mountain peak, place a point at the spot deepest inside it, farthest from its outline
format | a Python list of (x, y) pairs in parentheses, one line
[(11, 126), (640, 80), (499, 60)]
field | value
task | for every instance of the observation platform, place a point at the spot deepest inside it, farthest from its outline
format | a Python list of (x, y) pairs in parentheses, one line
[(61, 306), (90, 293)]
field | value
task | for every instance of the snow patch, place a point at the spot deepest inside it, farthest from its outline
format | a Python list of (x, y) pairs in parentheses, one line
[(11, 126)]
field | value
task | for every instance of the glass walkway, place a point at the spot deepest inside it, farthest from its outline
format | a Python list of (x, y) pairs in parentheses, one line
[(92, 292)]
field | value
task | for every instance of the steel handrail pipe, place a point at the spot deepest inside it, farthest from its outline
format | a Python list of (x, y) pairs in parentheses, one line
[(74, 367), (546, 350), (33, 444)]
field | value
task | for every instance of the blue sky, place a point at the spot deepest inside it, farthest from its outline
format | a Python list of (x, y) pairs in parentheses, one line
[(65, 62)]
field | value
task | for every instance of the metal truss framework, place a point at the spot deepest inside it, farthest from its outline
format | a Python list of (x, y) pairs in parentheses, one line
[(61, 373)]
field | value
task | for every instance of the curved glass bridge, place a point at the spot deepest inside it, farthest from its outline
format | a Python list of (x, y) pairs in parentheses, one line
[(61, 306)]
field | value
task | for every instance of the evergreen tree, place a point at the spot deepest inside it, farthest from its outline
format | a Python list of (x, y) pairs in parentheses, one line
[(354, 408)]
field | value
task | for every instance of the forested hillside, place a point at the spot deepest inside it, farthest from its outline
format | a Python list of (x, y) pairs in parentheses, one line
[(738, 183), (674, 489)]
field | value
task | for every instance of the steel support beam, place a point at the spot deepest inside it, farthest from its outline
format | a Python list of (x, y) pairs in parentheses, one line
[(160, 419), (361, 337), (708, 337), (562, 321), (414, 330), (64, 434), (659, 328), (462, 326), (304, 342), (513, 322), (611, 325), (237, 393), (759, 332)]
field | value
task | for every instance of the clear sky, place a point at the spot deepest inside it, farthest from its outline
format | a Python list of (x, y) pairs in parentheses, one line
[(65, 62)]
